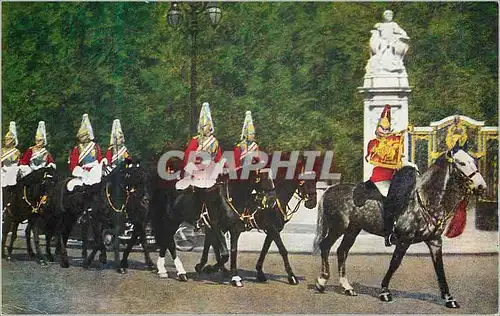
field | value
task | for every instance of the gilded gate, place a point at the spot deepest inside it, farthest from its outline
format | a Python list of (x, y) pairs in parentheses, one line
[(428, 142)]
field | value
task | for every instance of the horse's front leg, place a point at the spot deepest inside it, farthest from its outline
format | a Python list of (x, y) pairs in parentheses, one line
[(235, 278), (6, 228), (263, 253), (436, 249), (292, 279), (144, 244), (397, 258), (36, 238), (13, 237), (27, 234), (130, 244)]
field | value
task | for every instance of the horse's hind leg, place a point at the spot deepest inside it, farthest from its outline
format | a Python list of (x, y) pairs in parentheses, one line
[(292, 279), (325, 246), (342, 252), (261, 277), (160, 263), (397, 258), (435, 247), (181, 272)]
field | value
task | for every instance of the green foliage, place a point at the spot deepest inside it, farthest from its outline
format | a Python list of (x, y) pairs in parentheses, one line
[(295, 65)]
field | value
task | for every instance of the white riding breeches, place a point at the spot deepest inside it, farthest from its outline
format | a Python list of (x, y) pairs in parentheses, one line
[(9, 175), (383, 186)]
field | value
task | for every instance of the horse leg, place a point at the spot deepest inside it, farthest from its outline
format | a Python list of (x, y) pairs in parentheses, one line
[(181, 272), (144, 243), (261, 277), (292, 279), (130, 244), (204, 255), (235, 279), (85, 242), (27, 234), (160, 263), (397, 258), (13, 238), (325, 246), (6, 228), (36, 238), (342, 252), (48, 251), (435, 247)]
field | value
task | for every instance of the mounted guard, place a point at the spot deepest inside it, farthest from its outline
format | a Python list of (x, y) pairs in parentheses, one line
[(10, 161), (117, 152), (37, 156), (198, 172), (85, 158), (385, 152)]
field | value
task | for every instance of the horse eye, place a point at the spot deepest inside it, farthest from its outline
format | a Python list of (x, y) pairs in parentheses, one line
[(461, 163)]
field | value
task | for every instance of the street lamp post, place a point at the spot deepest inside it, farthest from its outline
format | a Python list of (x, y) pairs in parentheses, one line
[(193, 10)]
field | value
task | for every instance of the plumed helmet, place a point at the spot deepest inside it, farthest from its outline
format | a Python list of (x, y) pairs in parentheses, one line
[(41, 133), (205, 118), (248, 127), (85, 128)]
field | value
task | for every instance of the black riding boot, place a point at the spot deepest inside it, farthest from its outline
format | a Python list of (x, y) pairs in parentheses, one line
[(388, 221)]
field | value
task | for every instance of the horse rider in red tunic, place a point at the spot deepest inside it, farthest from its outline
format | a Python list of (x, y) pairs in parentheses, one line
[(10, 161), (85, 158), (198, 172), (37, 156), (385, 152), (117, 152)]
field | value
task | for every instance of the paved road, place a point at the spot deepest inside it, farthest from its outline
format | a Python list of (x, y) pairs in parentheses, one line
[(29, 288)]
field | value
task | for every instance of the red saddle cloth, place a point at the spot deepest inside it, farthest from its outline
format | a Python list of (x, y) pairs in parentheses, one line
[(457, 225)]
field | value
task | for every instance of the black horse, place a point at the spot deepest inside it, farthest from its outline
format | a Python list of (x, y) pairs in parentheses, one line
[(270, 216), (424, 204), (132, 182), (28, 201), (82, 204), (170, 208)]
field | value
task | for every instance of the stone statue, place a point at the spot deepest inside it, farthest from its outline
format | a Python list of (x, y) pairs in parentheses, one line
[(388, 46)]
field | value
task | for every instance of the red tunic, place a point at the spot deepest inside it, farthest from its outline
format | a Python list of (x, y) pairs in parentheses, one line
[(193, 147), (379, 173), (75, 154), (29, 153)]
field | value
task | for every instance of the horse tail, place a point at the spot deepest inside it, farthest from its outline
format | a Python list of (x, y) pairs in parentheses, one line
[(321, 226)]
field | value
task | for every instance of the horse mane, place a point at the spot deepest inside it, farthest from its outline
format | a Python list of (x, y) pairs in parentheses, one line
[(402, 185)]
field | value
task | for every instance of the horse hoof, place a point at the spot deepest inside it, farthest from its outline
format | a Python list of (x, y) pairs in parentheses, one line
[(261, 277), (183, 277), (292, 279), (350, 293), (198, 268), (321, 285), (385, 296), (122, 270), (163, 275), (452, 304), (236, 283), (209, 269)]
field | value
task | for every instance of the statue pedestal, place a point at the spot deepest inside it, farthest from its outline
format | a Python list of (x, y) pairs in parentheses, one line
[(379, 90)]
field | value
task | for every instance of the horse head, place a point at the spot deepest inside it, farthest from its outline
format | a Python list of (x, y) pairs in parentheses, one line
[(466, 166), (307, 186)]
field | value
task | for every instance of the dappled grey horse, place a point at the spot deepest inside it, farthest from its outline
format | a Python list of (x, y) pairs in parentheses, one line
[(425, 204)]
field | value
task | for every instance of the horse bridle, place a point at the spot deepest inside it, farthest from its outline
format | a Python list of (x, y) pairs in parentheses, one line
[(43, 198), (439, 222)]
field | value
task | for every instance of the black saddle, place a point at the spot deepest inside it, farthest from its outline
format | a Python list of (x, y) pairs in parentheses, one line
[(366, 191)]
